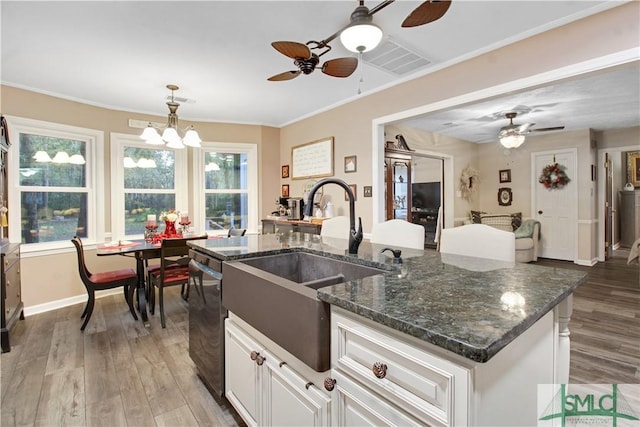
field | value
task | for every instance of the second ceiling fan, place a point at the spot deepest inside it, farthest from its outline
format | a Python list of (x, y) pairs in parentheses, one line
[(513, 135), (361, 18)]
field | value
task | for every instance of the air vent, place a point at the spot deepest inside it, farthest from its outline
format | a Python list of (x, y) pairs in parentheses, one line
[(391, 57), (181, 100)]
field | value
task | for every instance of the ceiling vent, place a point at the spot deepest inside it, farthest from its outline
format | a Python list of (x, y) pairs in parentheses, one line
[(181, 100), (398, 60)]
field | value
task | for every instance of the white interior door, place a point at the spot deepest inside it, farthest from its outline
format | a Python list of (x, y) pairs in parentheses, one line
[(556, 209)]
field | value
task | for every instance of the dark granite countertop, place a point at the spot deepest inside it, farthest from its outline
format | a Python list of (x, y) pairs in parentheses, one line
[(472, 307)]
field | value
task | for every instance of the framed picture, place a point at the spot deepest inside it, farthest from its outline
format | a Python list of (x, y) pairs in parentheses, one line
[(313, 159), (285, 190), (505, 197), (285, 171), (350, 164), (368, 191), (633, 168), (505, 175), (354, 189)]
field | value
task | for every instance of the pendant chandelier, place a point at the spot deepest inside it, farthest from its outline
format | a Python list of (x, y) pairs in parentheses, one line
[(170, 135)]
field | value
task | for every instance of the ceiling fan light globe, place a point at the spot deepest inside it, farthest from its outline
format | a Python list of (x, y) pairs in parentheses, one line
[(512, 140), (361, 38)]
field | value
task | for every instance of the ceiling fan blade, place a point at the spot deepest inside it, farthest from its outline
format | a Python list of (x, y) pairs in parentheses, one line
[(428, 11), (547, 129), (341, 67), (525, 127), (293, 50), (287, 75)]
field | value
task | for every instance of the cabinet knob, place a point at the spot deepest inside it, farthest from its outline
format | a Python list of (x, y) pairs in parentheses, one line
[(540, 212), (329, 383), (8, 283), (379, 370), (254, 355), (259, 360)]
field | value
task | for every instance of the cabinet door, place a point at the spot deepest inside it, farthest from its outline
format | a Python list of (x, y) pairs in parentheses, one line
[(290, 400), (242, 382), (12, 289), (353, 405)]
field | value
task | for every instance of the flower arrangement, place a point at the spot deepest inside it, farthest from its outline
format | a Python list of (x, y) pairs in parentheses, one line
[(554, 177), (171, 215)]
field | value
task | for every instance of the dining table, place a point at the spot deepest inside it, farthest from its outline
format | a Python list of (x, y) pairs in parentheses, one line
[(141, 250)]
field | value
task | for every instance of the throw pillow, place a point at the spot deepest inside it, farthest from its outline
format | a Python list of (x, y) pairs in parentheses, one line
[(516, 220), (499, 221), (476, 217)]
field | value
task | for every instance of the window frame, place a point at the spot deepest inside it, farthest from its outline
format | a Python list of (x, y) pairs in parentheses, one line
[(94, 157), (251, 151), (181, 189)]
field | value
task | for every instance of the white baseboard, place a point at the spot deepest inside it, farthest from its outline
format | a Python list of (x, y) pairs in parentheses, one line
[(65, 302), (586, 262), (615, 246)]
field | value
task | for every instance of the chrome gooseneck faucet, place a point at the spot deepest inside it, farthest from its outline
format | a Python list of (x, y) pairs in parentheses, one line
[(355, 237)]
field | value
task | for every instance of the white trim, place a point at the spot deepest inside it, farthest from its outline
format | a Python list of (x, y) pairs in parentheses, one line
[(94, 140), (602, 180), (118, 143), (586, 262), (65, 302), (251, 150)]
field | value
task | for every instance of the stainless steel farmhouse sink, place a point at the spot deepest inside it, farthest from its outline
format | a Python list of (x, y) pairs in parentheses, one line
[(276, 294)]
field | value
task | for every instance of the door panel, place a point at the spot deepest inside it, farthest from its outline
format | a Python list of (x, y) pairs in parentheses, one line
[(557, 209)]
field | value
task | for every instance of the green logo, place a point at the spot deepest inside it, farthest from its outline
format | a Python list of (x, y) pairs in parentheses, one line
[(583, 408)]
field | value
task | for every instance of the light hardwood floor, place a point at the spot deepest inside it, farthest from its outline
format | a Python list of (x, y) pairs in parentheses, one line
[(117, 373)]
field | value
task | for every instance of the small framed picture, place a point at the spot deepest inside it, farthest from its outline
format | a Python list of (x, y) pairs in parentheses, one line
[(505, 197), (368, 191), (354, 190), (505, 175), (285, 171), (350, 164), (285, 190)]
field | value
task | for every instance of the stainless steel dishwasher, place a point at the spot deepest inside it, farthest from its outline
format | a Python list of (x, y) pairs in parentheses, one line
[(206, 320)]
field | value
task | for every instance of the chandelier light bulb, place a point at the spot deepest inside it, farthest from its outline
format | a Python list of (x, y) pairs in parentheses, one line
[(42, 157), (191, 138), (77, 159), (61, 157)]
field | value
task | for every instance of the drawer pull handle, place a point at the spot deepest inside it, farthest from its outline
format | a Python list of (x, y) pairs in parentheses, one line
[(379, 370), (329, 383), (281, 364), (307, 385)]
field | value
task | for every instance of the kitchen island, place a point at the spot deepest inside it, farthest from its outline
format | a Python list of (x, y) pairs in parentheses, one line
[(452, 340)]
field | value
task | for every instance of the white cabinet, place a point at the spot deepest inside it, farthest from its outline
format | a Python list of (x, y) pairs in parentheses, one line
[(392, 381), (266, 390)]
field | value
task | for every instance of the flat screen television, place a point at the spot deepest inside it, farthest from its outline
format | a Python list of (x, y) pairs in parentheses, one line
[(425, 196)]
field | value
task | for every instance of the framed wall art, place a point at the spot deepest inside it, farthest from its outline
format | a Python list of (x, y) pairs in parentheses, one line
[(285, 171), (505, 197), (633, 168), (505, 175), (312, 160), (354, 189), (350, 164), (285, 190)]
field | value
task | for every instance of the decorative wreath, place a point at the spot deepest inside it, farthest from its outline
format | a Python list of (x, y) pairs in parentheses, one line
[(469, 180), (554, 177)]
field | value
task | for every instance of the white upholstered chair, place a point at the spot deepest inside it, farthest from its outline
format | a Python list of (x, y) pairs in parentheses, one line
[(479, 240), (335, 227), (397, 232)]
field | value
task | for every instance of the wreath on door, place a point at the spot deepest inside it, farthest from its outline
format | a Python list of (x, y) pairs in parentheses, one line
[(554, 177)]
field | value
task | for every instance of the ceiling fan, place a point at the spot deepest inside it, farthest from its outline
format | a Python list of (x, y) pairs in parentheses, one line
[(361, 18), (513, 135)]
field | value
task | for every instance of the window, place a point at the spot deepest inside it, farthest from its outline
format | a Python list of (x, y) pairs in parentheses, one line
[(228, 179), (54, 168), (146, 180)]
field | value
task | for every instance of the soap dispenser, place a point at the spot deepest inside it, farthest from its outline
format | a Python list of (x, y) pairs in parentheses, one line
[(328, 210)]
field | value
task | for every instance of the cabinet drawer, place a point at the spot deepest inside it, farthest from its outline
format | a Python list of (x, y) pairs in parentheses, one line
[(416, 381), (10, 258)]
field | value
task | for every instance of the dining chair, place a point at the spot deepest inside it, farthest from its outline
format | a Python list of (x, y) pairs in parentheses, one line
[(233, 232), (480, 241), (337, 227), (398, 232), (127, 278), (173, 270)]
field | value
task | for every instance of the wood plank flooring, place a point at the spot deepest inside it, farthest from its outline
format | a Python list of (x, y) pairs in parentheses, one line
[(118, 373)]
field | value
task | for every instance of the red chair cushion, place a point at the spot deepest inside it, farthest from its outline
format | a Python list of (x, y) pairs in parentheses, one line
[(173, 275), (114, 276)]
